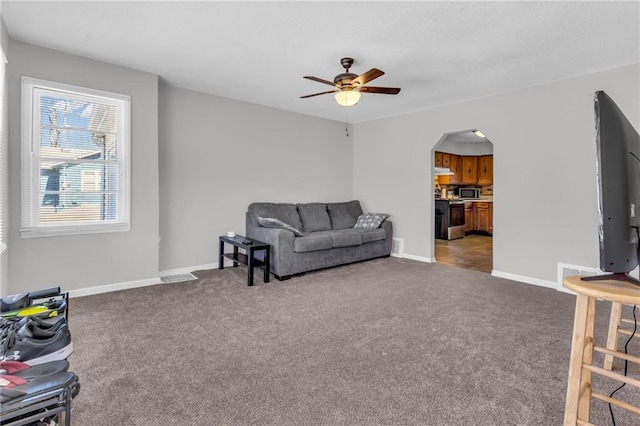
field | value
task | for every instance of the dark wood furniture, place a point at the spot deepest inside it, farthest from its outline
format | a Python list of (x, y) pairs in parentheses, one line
[(250, 246)]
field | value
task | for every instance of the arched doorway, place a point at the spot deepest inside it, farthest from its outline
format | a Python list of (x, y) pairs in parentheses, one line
[(463, 199)]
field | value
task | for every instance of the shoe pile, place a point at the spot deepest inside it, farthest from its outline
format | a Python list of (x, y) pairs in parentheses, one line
[(36, 387)]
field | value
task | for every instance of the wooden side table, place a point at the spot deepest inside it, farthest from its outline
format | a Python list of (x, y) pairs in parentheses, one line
[(579, 392), (250, 246)]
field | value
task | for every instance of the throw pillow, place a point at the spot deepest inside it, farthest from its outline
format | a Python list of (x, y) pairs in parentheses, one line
[(272, 222), (344, 215), (370, 220), (314, 217)]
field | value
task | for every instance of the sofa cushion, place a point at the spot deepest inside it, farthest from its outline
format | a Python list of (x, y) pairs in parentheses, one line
[(371, 235), (346, 237), (370, 220), (272, 222), (319, 241), (314, 217), (288, 213), (344, 215)]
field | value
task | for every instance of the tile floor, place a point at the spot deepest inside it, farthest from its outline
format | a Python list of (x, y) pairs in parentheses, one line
[(471, 252)]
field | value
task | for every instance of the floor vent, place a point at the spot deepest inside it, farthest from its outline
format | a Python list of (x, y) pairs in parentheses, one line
[(397, 249), (177, 278)]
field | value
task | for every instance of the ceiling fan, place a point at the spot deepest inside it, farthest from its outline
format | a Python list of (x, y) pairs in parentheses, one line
[(349, 86)]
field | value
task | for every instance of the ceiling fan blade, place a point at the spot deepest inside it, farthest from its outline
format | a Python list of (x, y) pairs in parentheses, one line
[(319, 80), (383, 90), (316, 94), (367, 77)]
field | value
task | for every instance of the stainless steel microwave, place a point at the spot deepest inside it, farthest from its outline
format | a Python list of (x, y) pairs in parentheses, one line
[(469, 192)]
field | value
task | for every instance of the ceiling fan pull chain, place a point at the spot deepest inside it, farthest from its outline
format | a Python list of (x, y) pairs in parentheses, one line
[(346, 116)]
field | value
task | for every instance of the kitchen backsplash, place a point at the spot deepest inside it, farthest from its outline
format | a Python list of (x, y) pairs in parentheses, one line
[(485, 191)]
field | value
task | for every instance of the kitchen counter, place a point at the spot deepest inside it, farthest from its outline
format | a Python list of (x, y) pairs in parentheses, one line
[(471, 200)]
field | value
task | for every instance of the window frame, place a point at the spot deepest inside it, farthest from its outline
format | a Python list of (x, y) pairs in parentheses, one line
[(4, 133), (32, 91)]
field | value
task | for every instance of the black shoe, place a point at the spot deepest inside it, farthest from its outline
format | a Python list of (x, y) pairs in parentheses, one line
[(34, 345)]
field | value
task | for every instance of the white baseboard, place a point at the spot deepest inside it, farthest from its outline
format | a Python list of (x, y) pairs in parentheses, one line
[(88, 291), (153, 281), (525, 279), (419, 258)]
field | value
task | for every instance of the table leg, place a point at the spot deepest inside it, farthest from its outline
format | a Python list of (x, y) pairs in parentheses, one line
[(584, 405), (250, 264), (267, 262), (235, 257), (221, 255), (612, 336), (575, 362)]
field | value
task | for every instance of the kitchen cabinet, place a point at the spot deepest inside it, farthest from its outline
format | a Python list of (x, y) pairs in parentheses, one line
[(437, 161), (468, 216), (467, 169), (442, 159), (456, 168), (470, 170), (478, 217), (482, 218), (485, 170), (446, 160)]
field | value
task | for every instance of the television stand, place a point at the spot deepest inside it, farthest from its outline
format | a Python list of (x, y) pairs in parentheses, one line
[(617, 276)]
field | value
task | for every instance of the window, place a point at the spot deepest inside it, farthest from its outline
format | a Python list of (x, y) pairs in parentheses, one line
[(75, 155)]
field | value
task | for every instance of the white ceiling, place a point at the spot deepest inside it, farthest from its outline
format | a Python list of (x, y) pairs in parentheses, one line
[(437, 52)]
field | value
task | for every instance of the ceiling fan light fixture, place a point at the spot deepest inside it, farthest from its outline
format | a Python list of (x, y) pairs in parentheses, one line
[(347, 98)]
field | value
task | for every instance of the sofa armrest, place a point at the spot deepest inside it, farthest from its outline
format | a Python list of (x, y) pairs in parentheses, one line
[(388, 242), (274, 236), (281, 242)]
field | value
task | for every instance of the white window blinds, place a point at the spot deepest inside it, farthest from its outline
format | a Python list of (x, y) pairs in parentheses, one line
[(75, 160)]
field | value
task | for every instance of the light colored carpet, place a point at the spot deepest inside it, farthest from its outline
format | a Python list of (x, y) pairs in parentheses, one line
[(383, 342)]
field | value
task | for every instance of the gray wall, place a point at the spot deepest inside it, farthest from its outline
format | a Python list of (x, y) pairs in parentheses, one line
[(199, 160), (545, 208), (87, 260), (219, 155)]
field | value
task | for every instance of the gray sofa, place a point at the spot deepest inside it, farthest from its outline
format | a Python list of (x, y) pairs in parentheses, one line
[(327, 235)]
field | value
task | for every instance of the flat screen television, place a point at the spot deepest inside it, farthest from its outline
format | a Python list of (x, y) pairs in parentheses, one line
[(618, 173)]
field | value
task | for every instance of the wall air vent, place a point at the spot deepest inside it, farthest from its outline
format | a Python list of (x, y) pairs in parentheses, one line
[(397, 249), (177, 278)]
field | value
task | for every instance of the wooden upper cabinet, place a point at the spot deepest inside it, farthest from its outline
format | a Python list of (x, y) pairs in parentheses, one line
[(485, 170), (446, 160), (470, 170), (456, 168), (467, 170), (438, 159)]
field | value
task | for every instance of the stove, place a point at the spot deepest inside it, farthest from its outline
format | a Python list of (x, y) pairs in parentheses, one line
[(449, 223)]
